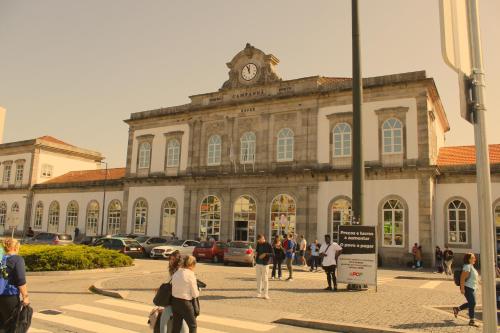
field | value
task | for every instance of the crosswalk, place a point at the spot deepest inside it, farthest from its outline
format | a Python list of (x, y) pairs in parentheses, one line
[(119, 316)]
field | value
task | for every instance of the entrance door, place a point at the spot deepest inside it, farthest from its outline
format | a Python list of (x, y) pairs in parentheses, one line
[(241, 231)]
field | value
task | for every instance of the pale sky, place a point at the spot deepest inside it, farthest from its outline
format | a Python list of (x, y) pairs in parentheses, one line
[(76, 69)]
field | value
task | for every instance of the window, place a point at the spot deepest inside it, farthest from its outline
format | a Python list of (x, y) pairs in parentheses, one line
[(47, 170), (92, 218), (53, 223), (15, 208), (214, 150), (71, 217), (6, 172), (283, 215), (247, 148), (210, 212), (19, 173), (144, 155), (141, 216), (392, 134), (393, 214), (341, 140), (114, 217), (168, 218), (245, 219), (285, 145), (3, 216), (341, 215), (38, 215), (457, 222), (173, 153)]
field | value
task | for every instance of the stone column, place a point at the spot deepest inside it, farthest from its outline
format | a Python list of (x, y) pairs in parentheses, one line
[(424, 217)]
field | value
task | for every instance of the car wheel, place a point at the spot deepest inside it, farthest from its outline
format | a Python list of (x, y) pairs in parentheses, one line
[(226, 263), (215, 259), (252, 264)]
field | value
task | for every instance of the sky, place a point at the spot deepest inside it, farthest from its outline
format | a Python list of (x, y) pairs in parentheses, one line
[(76, 69)]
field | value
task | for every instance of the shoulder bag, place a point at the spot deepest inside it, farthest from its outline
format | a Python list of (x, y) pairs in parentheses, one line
[(163, 296)]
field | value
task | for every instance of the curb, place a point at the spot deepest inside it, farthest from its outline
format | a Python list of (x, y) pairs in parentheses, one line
[(337, 327), (97, 288), (412, 277), (98, 270)]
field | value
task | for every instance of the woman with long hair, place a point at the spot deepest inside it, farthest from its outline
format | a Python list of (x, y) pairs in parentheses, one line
[(174, 263), (468, 286), (184, 296)]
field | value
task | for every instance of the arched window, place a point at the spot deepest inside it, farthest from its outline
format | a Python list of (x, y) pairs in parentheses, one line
[(457, 222), (210, 212), (15, 208), (169, 216), (54, 211), (114, 217), (214, 150), (245, 219), (38, 215), (173, 153), (393, 214), (3, 216), (92, 218), (285, 145), (392, 133), (283, 215), (341, 215), (144, 155), (341, 140), (71, 217), (141, 216), (247, 148)]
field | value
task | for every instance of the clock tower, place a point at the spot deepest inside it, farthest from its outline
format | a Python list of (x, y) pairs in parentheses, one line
[(251, 67)]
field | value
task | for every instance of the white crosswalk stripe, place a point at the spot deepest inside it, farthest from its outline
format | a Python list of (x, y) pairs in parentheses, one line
[(431, 284), (111, 315)]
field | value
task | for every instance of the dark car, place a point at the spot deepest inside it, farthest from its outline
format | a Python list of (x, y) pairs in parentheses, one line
[(127, 246), (213, 251), (132, 236), (88, 240), (51, 238)]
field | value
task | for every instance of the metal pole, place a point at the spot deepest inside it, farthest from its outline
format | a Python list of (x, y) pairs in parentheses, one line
[(104, 198), (358, 172), (488, 259)]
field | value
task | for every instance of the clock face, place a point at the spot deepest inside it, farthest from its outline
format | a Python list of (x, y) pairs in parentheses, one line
[(249, 71)]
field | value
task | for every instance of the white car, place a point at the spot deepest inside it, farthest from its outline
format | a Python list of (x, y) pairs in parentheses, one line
[(185, 247)]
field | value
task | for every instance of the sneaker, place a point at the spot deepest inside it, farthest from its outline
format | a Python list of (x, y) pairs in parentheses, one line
[(289, 279), (259, 296), (272, 277), (473, 323), (266, 297), (328, 288), (279, 278), (455, 312), (335, 288)]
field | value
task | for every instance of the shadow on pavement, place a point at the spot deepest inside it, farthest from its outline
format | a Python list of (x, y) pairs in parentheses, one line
[(445, 323)]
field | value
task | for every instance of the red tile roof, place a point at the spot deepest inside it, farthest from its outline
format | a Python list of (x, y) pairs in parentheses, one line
[(88, 176), (465, 155), (54, 140)]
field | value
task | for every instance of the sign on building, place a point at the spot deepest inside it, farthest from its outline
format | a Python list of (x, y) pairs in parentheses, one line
[(358, 262)]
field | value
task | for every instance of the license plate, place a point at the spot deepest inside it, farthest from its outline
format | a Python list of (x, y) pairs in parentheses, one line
[(201, 254), (133, 249)]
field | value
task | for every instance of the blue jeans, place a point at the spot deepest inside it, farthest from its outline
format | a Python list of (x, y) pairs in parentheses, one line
[(470, 296)]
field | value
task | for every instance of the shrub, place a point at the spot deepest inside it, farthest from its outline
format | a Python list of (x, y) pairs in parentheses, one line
[(71, 257)]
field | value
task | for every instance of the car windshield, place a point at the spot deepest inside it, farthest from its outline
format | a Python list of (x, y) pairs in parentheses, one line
[(65, 237), (239, 245), (176, 243), (142, 239), (131, 242), (204, 245)]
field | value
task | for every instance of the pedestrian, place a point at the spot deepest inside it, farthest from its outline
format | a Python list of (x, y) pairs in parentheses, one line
[(184, 296), (438, 256), (77, 233), (289, 253), (418, 257), (302, 251), (14, 284), (263, 253), (314, 255), (279, 256), (330, 252), (414, 253), (166, 319), (468, 286), (448, 260)]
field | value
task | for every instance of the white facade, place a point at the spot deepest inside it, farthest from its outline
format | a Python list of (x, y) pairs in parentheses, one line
[(13, 159), (61, 164)]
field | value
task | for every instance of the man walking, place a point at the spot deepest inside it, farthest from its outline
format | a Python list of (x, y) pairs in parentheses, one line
[(289, 246), (448, 260), (330, 252), (302, 251), (264, 252)]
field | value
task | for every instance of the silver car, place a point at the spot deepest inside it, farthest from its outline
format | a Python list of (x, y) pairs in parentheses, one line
[(148, 243), (51, 238), (240, 252)]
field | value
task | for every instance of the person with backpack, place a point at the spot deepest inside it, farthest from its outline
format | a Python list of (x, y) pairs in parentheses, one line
[(12, 284), (289, 246), (448, 260), (467, 279)]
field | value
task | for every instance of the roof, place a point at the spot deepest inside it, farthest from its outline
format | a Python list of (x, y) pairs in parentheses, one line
[(53, 140), (88, 176), (465, 155)]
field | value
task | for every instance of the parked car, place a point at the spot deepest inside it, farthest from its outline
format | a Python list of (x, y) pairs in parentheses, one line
[(132, 236), (239, 252), (148, 243), (185, 247), (213, 251), (127, 246), (88, 240), (51, 238)]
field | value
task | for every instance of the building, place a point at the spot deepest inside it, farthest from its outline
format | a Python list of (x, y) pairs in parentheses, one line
[(267, 155)]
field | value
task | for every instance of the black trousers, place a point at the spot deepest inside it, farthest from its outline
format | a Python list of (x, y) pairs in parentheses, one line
[(183, 310), (330, 275), (7, 306), (276, 267)]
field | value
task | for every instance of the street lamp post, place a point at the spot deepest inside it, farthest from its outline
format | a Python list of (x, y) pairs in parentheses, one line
[(104, 196)]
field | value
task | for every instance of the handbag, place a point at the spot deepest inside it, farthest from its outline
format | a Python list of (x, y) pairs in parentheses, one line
[(163, 296)]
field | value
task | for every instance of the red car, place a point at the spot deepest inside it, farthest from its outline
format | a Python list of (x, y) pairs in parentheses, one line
[(213, 251)]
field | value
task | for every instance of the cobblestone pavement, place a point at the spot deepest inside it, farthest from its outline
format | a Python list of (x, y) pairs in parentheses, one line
[(400, 303)]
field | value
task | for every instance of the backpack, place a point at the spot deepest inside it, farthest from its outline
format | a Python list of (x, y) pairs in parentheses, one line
[(5, 287), (456, 276)]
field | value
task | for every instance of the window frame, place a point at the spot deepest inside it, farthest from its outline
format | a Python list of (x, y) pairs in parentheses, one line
[(207, 218), (113, 224), (164, 208), (467, 221), (341, 136), (394, 210), (142, 216), (75, 211), (47, 170), (144, 156), (391, 131), (19, 173), (38, 218), (54, 215), (173, 153), (289, 214), (7, 171), (285, 141), (248, 144), (333, 223), (92, 218), (214, 150)]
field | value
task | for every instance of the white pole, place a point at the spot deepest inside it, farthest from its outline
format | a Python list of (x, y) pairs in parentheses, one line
[(488, 259)]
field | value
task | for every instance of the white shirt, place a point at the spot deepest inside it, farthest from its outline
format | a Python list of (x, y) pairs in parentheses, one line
[(184, 284), (303, 244), (329, 259)]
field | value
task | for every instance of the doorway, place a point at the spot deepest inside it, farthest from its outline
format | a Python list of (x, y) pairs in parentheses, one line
[(241, 231)]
